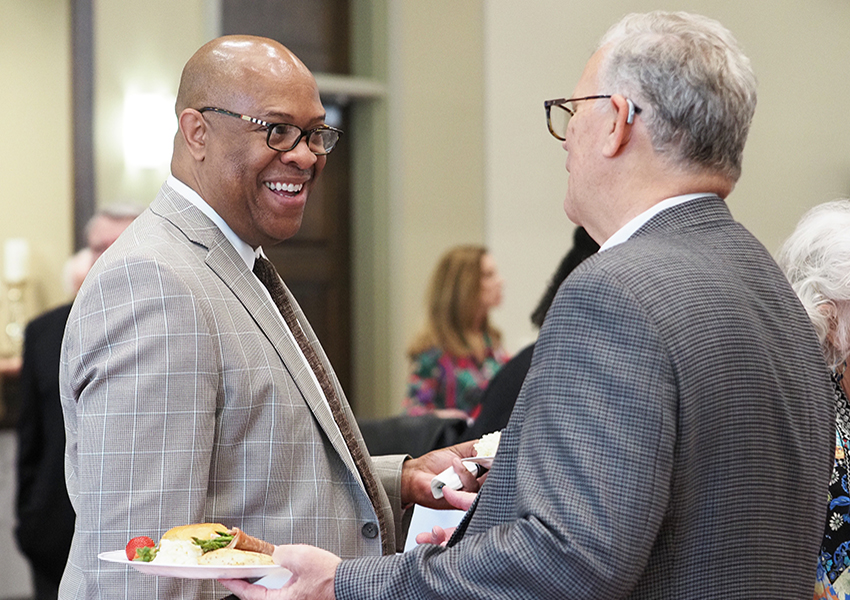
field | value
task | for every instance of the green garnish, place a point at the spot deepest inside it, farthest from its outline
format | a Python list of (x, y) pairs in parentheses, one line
[(145, 553), (221, 541)]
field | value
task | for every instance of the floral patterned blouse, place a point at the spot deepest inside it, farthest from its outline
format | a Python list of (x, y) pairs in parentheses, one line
[(439, 380), (834, 557)]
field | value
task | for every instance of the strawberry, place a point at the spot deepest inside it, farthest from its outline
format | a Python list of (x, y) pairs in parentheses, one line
[(137, 543)]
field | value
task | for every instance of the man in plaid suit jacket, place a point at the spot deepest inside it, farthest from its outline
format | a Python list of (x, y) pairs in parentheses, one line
[(673, 436), (185, 394)]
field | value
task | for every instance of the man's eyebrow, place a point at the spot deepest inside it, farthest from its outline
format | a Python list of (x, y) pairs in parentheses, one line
[(273, 116), (282, 117)]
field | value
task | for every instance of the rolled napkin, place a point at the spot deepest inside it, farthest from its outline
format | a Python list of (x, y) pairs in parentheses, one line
[(450, 478)]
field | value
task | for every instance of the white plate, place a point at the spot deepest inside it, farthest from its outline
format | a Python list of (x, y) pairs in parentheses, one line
[(192, 571), (484, 461)]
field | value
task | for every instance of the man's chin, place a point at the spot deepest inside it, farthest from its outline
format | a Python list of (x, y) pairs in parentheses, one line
[(280, 234), (570, 212)]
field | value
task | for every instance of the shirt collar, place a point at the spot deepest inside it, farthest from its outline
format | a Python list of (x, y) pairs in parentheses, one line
[(247, 253), (627, 230)]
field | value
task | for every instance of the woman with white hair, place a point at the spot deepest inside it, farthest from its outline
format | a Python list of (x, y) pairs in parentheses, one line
[(816, 260)]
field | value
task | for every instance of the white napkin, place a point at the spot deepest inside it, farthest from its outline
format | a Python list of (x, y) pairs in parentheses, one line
[(451, 479), (276, 579)]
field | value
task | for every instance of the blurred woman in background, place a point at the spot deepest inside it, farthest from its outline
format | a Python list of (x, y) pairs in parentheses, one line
[(458, 351), (816, 260)]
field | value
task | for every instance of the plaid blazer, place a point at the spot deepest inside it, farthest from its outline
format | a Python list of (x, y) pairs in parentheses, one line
[(673, 438), (186, 401)]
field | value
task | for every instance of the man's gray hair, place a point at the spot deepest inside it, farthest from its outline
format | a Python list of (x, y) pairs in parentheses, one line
[(816, 260), (695, 86)]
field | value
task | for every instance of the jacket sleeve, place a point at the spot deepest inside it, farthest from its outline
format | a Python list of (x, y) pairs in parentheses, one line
[(389, 469)]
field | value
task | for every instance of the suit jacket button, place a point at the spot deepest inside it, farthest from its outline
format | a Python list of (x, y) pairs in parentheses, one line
[(370, 530)]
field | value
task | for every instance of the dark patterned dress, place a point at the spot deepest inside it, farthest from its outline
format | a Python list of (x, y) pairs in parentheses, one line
[(440, 380), (834, 556)]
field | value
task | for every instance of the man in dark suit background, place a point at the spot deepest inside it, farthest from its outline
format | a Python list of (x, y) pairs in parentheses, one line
[(45, 518), (673, 435)]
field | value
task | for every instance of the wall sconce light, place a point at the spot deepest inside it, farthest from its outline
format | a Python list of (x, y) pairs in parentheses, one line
[(149, 128)]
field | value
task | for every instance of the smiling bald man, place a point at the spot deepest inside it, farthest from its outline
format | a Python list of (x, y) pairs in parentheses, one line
[(193, 389)]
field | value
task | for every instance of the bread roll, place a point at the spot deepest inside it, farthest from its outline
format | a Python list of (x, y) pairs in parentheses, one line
[(233, 557), (202, 531)]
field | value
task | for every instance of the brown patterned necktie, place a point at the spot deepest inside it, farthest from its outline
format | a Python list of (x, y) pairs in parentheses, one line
[(267, 274)]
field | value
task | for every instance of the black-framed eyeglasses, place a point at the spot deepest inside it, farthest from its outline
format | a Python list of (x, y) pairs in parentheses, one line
[(557, 120), (283, 137)]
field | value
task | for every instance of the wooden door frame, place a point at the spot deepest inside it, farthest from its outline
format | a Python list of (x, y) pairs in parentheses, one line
[(82, 110)]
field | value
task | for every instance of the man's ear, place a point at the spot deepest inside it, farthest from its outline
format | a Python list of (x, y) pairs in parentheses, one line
[(621, 129), (830, 312), (194, 130)]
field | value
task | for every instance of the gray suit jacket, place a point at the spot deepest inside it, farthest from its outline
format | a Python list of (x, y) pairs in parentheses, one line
[(186, 401), (673, 437)]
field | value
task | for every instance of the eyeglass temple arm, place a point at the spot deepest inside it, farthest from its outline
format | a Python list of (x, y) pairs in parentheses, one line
[(558, 102)]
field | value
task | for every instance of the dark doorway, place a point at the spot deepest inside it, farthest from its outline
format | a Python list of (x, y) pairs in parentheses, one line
[(315, 30)]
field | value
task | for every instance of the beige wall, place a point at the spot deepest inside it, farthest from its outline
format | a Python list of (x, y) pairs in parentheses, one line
[(797, 154), (136, 49), (140, 48), (436, 140), (35, 154)]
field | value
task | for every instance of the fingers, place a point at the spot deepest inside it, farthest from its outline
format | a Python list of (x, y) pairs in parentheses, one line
[(458, 499), (437, 536), (242, 589), (464, 449), (424, 538), (470, 483), (283, 556), (295, 557)]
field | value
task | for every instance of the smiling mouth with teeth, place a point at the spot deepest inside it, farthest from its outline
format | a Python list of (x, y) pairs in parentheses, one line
[(292, 188)]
